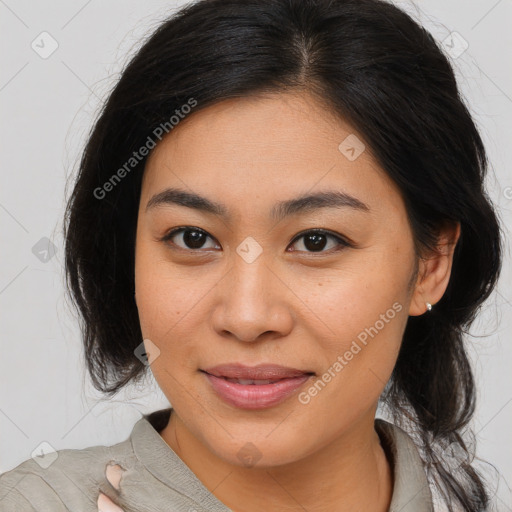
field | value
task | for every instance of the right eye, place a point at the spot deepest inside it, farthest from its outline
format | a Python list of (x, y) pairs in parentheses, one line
[(191, 238)]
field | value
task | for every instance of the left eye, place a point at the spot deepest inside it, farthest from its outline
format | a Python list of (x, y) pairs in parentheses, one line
[(316, 240)]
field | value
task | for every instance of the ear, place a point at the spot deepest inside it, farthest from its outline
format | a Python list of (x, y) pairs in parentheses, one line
[(435, 270)]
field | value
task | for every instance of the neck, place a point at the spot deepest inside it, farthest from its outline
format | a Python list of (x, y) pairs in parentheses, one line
[(351, 473)]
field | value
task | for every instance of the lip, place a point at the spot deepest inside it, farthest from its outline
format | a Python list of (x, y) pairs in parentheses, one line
[(259, 372), (255, 396)]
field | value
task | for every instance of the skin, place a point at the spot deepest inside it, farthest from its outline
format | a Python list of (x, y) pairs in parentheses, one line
[(292, 306)]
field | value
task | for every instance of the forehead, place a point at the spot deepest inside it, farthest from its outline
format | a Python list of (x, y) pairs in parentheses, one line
[(278, 123), (265, 146)]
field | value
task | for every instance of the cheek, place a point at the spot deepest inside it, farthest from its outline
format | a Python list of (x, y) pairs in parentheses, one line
[(354, 297), (163, 304), (363, 313), (164, 293), (359, 359)]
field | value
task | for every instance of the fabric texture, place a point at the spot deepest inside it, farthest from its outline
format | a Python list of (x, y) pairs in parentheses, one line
[(155, 479)]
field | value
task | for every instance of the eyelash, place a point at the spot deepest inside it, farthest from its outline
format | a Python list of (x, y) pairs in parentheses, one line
[(341, 241)]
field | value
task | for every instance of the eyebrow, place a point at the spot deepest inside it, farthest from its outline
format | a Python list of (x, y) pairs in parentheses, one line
[(300, 205)]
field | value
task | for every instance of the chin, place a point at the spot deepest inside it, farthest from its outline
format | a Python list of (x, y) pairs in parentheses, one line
[(258, 451)]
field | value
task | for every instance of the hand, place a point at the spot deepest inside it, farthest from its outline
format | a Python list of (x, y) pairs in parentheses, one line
[(113, 474)]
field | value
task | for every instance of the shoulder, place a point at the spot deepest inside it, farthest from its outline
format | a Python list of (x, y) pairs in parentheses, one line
[(68, 479)]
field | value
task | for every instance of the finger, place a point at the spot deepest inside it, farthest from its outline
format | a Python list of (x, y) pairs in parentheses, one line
[(105, 504)]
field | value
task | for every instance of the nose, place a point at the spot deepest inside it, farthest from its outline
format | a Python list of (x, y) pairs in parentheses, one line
[(253, 302)]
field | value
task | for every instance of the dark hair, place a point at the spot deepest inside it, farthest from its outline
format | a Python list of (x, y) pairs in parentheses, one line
[(373, 66)]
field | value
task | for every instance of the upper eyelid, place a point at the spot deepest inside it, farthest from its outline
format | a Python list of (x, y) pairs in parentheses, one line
[(176, 230), (342, 240)]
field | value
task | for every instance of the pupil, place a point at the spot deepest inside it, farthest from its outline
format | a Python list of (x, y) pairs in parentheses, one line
[(317, 241), (193, 239)]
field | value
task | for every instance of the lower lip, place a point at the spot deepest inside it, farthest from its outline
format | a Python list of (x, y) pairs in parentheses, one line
[(254, 396)]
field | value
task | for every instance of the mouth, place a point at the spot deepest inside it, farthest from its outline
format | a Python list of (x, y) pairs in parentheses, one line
[(256, 387), (251, 382), (258, 374)]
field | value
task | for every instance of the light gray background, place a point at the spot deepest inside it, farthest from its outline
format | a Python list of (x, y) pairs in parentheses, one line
[(48, 105)]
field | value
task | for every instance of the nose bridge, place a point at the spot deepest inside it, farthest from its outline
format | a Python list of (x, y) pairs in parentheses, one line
[(253, 300), (251, 273)]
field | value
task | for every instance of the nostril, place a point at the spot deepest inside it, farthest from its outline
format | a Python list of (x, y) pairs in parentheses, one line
[(114, 472)]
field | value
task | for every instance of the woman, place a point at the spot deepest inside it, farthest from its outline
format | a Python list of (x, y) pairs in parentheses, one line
[(280, 211)]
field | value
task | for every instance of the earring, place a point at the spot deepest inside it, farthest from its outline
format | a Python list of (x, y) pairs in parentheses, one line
[(429, 306)]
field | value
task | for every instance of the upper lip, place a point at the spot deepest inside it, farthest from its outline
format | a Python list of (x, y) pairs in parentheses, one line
[(259, 372)]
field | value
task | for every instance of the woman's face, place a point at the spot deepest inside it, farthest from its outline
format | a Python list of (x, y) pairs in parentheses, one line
[(257, 284)]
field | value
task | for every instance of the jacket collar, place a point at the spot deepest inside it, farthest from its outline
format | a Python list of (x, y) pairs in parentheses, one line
[(411, 490)]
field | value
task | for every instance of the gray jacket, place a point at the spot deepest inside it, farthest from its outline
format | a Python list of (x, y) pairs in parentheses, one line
[(157, 480)]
